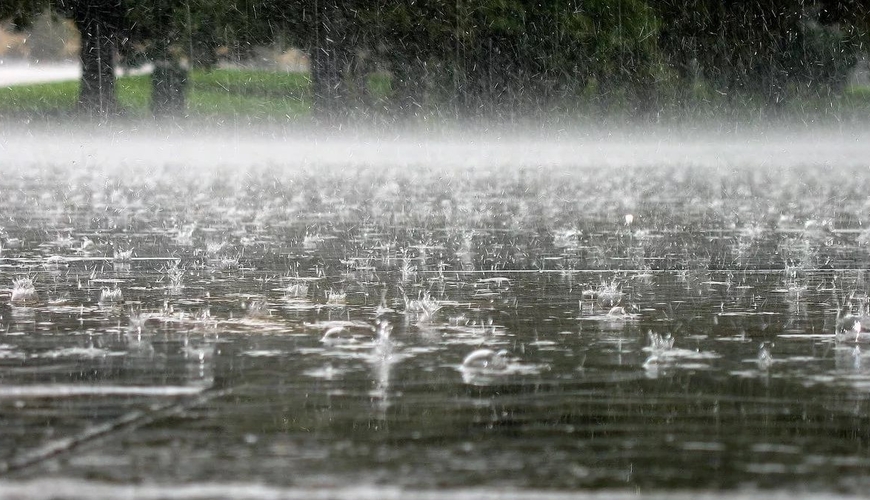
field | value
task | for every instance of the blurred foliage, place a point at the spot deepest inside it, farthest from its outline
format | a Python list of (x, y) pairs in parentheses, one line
[(21, 12), (468, 58)]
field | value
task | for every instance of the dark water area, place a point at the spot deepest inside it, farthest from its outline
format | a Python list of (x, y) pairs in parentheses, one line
[(686, 321)]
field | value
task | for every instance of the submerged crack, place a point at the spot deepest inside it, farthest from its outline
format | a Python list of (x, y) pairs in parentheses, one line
[(127, 422)]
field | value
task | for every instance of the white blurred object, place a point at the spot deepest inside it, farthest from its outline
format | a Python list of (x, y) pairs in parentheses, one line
[(24, 73)]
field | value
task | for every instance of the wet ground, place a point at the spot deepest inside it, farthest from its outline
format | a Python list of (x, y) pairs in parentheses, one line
[(371, 318)]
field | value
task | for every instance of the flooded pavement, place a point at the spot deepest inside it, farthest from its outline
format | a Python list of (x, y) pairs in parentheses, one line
[(331, 323)]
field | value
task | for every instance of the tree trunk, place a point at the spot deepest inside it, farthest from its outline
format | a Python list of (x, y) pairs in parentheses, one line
[(327, 61), (98, 23), (168, 82)]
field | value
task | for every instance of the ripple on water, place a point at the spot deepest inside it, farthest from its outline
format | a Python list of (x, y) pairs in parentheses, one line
[(486, 367), (461, 268), (326, 372), (79, 352), (264, 353), (11, 352)]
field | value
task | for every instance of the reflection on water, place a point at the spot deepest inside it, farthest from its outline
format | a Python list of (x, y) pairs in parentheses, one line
[(558, 328)]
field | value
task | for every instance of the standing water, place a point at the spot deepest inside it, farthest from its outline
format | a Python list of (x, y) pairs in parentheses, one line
[(248, 316)]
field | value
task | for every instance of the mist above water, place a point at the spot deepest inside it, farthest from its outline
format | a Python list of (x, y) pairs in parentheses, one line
[(232, 148)]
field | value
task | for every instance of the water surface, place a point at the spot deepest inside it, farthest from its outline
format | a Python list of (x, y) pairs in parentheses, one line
[(296, 314)]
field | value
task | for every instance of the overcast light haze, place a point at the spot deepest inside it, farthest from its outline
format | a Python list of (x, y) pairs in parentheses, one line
[(434, 249)]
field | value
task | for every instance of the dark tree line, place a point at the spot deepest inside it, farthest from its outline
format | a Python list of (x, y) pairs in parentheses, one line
[(473, 58)]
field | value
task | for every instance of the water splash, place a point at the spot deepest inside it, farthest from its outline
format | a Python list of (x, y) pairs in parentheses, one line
[(765, 357), (24, 291), (111, 296)]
